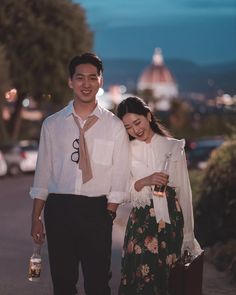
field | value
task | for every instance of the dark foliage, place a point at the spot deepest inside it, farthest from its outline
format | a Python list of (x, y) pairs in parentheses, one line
[(216, 210), (40, 38)]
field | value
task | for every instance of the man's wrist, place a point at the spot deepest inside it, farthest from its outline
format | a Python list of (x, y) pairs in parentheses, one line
[(37, 218)]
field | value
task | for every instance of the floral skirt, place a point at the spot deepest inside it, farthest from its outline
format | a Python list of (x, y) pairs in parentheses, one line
[(150, 249)]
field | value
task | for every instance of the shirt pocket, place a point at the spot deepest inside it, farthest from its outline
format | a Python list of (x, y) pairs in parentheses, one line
[(102, 152)]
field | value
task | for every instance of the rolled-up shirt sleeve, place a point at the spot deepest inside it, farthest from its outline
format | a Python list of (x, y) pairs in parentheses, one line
[(120, 180), (39, 189), (184, 193)]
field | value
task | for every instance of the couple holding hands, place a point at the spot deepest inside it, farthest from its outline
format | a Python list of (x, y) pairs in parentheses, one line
[(89, 162)]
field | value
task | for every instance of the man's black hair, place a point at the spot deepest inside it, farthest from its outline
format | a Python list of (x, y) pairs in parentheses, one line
[(85, 58)]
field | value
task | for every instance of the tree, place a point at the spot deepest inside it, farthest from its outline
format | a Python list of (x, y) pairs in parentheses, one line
[(40, 38)]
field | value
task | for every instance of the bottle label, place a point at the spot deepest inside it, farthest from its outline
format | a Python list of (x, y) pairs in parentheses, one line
[(34, 269)]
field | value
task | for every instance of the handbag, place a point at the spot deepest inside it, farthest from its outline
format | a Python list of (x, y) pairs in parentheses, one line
[(186, 277)]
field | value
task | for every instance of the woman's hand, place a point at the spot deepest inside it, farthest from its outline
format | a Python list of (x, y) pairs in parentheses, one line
[(157, 178)]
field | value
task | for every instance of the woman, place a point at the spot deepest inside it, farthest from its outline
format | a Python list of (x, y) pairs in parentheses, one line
[(159, 228)]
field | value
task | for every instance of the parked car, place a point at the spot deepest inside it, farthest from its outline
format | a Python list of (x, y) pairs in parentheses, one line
[(198, 152), (20, 157), (3, 165)]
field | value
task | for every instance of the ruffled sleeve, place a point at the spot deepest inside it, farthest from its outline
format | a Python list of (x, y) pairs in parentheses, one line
[(184, 194), (142, 158), (141, 198)]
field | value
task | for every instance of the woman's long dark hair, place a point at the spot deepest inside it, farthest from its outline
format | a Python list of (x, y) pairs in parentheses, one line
[(136, 105)]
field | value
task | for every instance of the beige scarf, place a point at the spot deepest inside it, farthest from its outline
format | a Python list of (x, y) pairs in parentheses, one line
[(84, 161)]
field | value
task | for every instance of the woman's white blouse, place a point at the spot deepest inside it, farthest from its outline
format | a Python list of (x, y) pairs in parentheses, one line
[(149, 158)]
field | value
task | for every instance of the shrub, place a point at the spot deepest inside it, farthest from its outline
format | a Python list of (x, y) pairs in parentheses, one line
[(224, 256), (215, 214)]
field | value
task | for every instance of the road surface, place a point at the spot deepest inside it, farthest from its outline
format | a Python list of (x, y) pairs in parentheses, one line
[(16, 247)]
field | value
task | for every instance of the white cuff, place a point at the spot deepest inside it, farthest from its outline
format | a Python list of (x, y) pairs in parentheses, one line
[(38, 193), (141, 198), (192, 246), (118, 197)]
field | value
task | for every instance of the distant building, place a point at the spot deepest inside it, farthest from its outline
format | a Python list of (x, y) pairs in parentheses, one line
[(158, 79)]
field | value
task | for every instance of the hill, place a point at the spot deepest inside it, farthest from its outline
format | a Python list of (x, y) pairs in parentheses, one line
[(190, 77)]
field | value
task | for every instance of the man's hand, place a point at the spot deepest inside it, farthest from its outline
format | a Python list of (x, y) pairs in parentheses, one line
[(37, 228), (111, 210), (112, 206), (37, 231)]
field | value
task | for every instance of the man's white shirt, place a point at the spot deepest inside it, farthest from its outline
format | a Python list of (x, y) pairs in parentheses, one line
[(108, 147)]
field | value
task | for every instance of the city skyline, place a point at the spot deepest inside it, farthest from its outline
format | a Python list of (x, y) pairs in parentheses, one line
[(200, 31)]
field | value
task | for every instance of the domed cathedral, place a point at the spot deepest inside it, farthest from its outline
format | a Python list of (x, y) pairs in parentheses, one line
[(158, 82)]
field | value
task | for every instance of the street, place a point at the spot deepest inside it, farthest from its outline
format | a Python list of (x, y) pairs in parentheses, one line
[(16, 247)]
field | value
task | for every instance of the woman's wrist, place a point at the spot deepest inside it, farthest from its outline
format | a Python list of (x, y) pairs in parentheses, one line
[(140, 184), (137, 186)]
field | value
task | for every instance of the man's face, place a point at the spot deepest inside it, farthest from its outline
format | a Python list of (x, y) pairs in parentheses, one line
[(85, 83)]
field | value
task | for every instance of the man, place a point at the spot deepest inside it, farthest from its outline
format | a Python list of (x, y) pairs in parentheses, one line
[(82, 175)]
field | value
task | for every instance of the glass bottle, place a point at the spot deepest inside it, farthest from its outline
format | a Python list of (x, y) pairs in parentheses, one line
[(160, 190), (35, 264)]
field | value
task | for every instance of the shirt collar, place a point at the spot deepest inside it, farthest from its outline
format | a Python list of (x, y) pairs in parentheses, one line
[(69, 110)]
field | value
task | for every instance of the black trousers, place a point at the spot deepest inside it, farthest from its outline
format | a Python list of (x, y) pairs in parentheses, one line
[(78, 230)]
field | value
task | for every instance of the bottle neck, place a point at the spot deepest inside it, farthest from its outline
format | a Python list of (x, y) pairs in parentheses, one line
[(37, 249), (166, 162)]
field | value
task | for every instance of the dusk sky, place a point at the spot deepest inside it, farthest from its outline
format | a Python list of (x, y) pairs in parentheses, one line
[(203, 31)]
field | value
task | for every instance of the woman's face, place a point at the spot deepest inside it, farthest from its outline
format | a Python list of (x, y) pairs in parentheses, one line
[(138, 126)]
